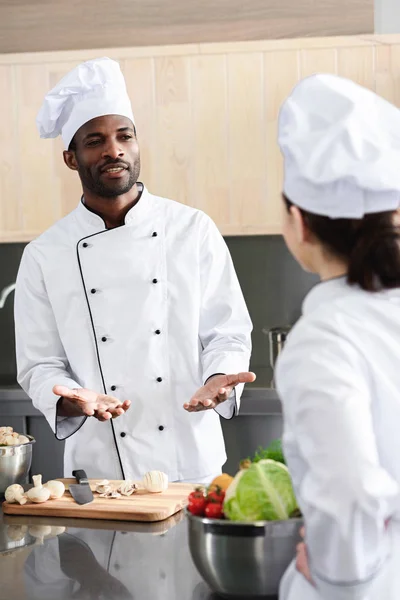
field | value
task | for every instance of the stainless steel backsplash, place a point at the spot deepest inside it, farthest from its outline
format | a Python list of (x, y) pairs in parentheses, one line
[(273, 285)]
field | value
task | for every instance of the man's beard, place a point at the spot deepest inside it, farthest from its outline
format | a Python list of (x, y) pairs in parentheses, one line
[(112, 188)]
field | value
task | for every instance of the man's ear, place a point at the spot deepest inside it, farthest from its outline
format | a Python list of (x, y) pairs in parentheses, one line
[(70, 159)]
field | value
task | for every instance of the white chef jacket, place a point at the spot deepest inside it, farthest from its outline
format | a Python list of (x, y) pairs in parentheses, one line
[(146, 312), (339, 381)]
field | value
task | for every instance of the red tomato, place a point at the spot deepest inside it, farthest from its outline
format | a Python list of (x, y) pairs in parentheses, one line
[(214, 510), (197, 493), (217, 495), (197, 505)]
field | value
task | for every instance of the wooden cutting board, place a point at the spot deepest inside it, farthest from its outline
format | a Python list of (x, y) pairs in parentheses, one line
[(141, 506)]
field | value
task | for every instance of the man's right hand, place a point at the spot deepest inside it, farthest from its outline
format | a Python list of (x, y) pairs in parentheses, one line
[(82, 402)]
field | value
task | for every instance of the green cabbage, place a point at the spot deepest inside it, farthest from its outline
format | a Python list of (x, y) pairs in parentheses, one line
[(263, 492)]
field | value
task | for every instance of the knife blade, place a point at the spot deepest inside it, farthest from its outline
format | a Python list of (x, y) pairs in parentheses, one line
[(81, 492)]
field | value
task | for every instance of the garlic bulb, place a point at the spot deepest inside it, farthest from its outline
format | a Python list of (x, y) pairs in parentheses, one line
[(155, 481), (103, 486), (127, 488), (38, 494), (15, 493), (57, 488)]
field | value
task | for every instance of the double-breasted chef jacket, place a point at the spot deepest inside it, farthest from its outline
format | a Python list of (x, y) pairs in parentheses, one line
[(339, 381), (147, 312)]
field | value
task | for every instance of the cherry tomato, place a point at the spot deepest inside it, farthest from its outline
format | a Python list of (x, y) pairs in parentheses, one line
[(197, 493), (214, 510), (216, 495), (197, 505)]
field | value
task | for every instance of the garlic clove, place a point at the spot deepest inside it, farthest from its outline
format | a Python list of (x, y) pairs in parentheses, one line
[(110, 494), (155, 481), (57, 488), (103, 486)]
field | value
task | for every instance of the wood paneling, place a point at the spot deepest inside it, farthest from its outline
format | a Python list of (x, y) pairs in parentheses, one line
[(206, 117), (39, 25)]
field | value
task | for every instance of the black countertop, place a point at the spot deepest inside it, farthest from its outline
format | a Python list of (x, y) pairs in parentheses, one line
[(99, 560)]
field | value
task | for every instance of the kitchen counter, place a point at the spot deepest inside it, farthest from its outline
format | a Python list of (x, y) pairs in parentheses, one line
[(101, 560)]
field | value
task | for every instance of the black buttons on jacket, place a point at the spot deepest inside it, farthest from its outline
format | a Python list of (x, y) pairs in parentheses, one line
[(154, 234), (104, 339), (159, 379), (113, 388), (155, 280), (161, 428), (85, 244), (93, 291), (157, 331), (122, 434)]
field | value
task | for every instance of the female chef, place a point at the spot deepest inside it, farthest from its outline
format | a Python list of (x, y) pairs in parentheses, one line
[(339, 375)]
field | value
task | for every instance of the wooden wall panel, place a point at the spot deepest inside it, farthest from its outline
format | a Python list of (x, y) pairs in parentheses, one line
[(43, 25), (206, 117)]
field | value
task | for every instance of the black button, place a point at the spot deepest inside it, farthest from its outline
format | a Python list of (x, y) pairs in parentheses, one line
[(93, 291), (155, 280), (113, 388), (159, 379), (122, 434), (103, 339), (161, 428), (157, 331), (85, 245), (154, 234)]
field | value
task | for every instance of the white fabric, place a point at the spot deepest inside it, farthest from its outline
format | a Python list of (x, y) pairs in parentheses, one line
[(341, 148), (196, 303), (339, 380), (92, 89)]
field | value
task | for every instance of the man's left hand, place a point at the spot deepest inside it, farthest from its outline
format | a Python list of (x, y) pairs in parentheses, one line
[(302, 559), (217, 390)]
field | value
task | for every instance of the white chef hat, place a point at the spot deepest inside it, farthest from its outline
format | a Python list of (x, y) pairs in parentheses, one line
[(93, 89), (341, 148)]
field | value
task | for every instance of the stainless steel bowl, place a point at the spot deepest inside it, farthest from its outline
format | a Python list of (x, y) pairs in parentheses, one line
[(243, 560), (15, 462)]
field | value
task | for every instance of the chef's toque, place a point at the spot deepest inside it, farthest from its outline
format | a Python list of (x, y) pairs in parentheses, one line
[(341, 148), (93, 89)]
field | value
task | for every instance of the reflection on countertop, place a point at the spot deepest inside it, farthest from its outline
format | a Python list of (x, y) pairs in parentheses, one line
[(100, 560)]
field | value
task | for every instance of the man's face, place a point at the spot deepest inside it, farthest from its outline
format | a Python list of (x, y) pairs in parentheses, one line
[(106, 156)]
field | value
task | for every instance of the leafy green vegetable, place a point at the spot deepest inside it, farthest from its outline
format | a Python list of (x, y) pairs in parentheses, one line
[(263, 492), (273, 452)]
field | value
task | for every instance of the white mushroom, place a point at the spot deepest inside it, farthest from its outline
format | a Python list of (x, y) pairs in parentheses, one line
[(22, 439), (57, 488), (6, 430), (37, 481), (110, 494), (103, 486), (38, 494), (155, 481), (40, 532), (15, 493), (16, 533), (127, 488)]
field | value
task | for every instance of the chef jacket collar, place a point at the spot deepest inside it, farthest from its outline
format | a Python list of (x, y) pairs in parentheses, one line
[(324, 292), (133, 217)]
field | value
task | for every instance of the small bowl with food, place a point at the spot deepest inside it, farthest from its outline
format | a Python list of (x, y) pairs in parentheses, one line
[(15, 457), (243, 538)]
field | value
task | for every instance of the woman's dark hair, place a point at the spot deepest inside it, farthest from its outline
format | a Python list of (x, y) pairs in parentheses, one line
[(370, 245)]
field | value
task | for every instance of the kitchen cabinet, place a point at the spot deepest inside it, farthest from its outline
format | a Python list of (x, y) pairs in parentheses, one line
[(206, 116)]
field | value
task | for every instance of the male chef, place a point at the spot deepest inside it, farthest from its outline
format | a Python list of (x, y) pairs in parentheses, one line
[(128, 305)]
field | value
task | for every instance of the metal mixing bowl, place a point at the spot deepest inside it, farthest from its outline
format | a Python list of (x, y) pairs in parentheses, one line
[(15, 462), (243, 560)]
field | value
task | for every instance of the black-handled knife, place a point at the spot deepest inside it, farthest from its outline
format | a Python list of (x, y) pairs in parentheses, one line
[(81, 492)]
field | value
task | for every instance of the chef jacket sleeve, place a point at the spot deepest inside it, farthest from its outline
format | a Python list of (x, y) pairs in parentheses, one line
[(329, 442), (41, 359), (224, 325)]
